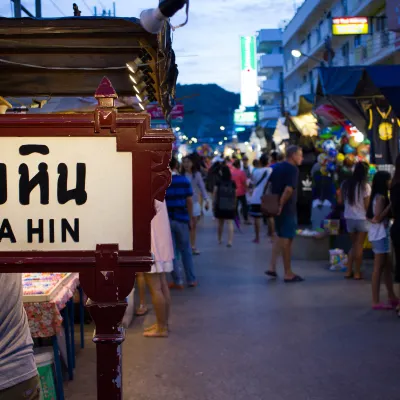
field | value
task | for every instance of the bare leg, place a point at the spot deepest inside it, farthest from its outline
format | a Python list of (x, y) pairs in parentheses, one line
[(358, 253), (257, 226), (350, 262), (376, 277), (193, 233), (157, 297), (286, 246), (230, 232), (388, 277), (276, 251), (167, 295), (220, 230), (141, 284)]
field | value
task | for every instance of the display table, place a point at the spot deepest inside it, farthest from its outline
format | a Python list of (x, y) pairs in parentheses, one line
[(45, 295), (48, 302)]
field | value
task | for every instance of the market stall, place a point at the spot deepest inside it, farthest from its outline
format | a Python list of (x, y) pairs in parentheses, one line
[(367, 96)]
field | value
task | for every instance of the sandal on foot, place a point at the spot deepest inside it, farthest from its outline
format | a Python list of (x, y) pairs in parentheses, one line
[(296, 278), (195, 252), (154, 327), (271, 274), (155, 333), (349, 276), (141, 311), (358, 277)]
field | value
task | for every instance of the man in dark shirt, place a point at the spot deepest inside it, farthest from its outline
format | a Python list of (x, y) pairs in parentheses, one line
[(180, 210), (284, 179)]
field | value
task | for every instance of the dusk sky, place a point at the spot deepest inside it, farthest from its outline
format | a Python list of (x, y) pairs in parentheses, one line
[(208, 47)]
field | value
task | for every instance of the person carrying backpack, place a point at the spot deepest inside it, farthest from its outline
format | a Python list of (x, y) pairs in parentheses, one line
[(225, 203)]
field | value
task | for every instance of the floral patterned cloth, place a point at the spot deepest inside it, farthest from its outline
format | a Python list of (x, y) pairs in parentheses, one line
[(45, 318)]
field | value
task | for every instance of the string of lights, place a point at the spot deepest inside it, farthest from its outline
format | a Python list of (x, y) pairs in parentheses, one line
[(61, 68)]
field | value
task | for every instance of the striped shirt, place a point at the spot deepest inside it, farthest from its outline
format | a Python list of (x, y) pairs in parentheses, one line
[(177, 194)]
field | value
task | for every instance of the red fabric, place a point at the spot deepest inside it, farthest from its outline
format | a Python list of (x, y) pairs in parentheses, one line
[(240, 179)]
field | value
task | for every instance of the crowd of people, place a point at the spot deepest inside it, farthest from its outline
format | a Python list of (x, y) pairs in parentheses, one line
[(235, 191)]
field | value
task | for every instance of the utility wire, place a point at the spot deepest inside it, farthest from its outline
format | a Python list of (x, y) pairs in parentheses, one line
[(61, 68), (86, 5), (58, 8)]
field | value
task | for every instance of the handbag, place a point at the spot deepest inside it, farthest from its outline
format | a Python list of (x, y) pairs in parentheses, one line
[(269, 202)]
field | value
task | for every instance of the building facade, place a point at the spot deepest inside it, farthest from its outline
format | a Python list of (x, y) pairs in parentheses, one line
[(312, 25), (270, 74)]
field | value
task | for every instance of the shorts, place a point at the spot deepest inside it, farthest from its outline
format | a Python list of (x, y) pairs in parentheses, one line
[(255, 211), (356, 225), (196, 210), (27, 390), (286, 226), (381, 246)]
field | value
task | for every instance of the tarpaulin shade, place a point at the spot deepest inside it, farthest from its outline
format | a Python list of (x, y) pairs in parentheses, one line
[(345, 87)]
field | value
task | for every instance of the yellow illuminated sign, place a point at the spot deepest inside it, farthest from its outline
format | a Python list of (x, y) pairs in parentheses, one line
[(350, 26)]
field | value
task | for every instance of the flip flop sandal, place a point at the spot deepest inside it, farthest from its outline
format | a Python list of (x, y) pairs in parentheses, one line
[(295, 279), (271, 274), (156, 334), (351, 276), (141, 311)]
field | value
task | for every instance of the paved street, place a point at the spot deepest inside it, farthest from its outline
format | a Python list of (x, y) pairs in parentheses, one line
[(239, 337)]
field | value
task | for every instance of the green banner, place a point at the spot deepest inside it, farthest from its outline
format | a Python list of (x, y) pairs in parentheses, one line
[(248, 52)]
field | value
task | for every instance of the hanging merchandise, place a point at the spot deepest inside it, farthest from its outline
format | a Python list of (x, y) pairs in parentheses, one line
[(383, 131)]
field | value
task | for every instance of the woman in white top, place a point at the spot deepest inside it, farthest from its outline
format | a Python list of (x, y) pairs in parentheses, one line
[(259, 180), (378, 234), (355, 194), (163, 251)]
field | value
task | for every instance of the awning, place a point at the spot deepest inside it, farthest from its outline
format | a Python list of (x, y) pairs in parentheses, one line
[(70, 56), (346, 88)]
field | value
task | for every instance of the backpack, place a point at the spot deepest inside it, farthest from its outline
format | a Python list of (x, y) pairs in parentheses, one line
[(226, 196)]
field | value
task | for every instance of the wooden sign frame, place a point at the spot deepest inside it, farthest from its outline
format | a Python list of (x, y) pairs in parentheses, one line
[(107, 275)]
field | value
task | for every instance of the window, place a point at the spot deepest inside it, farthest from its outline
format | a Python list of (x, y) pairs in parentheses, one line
[(357, 41), (319, 32), (309, 42), (304, 78), (329, 15), (381, 24)]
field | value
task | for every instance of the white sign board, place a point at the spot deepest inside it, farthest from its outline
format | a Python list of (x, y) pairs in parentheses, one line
[(64, 193)]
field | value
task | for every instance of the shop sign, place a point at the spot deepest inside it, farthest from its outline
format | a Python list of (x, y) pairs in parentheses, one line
[(350, 26), (157, 113), (57, 193), (245, 117)]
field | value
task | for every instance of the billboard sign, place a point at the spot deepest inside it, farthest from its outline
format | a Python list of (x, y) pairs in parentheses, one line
[(249, 84), (342, 26), (245, 118)]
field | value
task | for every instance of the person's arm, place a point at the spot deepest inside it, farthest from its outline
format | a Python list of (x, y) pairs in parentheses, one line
[(201, 186), (380, 211), (291, 185), (286, 195), (367, 196)]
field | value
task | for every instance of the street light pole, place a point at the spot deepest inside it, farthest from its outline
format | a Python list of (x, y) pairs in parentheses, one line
[(282, 93)]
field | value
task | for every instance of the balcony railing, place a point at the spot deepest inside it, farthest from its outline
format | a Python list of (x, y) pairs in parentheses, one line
[(270, 86), (377, 46), (270, 61)]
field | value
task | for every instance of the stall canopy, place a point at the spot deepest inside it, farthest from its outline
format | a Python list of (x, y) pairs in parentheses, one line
[(347, 88), (70, 56)]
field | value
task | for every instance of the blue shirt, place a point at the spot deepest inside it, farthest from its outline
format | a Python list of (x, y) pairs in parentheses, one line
[(285, 174), (176, 197)]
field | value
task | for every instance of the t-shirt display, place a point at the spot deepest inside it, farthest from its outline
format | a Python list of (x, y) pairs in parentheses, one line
[(383, 132)]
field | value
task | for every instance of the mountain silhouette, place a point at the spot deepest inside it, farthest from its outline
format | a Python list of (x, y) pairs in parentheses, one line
[(207, 107)]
